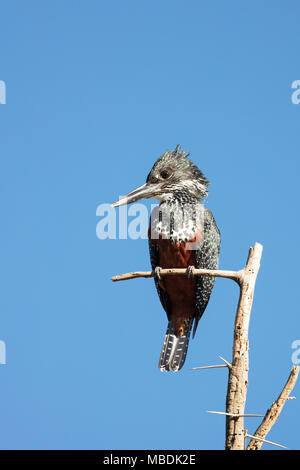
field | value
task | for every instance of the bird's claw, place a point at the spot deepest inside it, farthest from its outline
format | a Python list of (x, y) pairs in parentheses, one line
[(190, 272), (157, 273)]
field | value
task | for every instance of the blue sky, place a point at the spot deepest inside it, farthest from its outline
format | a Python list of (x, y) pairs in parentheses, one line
[(96, 91)]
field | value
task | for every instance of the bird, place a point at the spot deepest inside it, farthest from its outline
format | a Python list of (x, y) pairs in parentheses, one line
[(182, 234)]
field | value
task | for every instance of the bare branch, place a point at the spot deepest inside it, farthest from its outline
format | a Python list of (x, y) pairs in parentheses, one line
[(238, 373), (274, 411), (234, 275)]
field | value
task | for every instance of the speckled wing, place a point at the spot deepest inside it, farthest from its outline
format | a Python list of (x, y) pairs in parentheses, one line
[(207, 257)]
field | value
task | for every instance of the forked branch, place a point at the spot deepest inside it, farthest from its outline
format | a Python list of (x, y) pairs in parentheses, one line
[(238, 368)]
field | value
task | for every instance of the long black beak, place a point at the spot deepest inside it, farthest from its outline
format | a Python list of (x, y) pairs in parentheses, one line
[(145, 191)]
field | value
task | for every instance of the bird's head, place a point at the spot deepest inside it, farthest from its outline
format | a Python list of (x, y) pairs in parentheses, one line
[(172, 175)]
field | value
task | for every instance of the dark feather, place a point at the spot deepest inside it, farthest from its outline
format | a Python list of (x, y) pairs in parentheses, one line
[(206, 258)]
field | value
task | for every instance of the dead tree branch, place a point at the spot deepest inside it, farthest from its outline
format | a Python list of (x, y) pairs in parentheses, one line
[(274, 411), (238, 373), (234, 275), (238, 368)]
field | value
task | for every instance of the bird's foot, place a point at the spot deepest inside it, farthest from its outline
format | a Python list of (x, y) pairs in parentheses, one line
[(190, 272), (157, 273)]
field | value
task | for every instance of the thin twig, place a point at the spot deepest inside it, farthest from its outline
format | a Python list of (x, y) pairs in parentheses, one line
[(274, 411)]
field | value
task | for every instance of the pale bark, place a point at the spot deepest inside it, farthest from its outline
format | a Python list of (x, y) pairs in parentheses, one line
[(238, 373), (234, 275)]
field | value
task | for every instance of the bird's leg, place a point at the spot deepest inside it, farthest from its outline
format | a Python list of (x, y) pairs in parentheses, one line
[(157, 273), (190, 272)]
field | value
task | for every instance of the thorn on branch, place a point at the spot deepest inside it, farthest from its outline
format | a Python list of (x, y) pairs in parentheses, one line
[(208, 367), (274, 411), (264, 440), (235, 415), (226, 362)]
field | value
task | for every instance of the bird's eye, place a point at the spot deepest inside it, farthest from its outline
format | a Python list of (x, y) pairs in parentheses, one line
[(165, 174)]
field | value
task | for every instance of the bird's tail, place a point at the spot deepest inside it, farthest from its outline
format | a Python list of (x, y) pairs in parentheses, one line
[(175, 348)]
